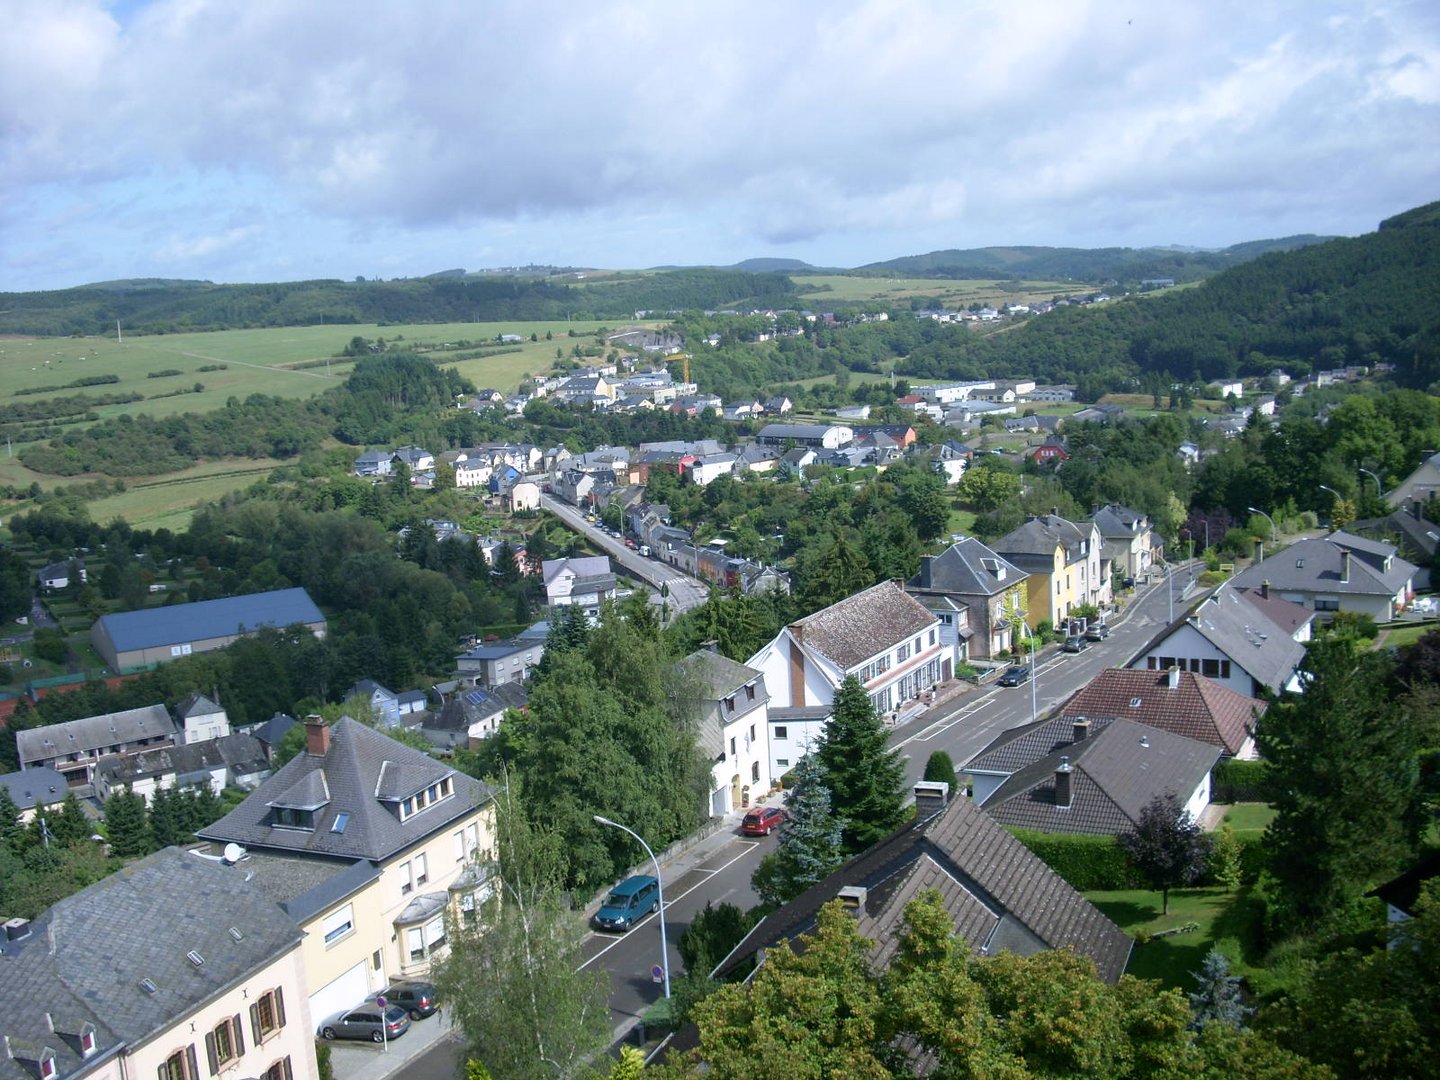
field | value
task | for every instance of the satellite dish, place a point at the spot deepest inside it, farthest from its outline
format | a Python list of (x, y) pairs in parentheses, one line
[(234, 853)]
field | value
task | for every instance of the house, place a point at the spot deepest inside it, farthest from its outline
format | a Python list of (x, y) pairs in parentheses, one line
[(58, 575), (1251, 642), (132, 638), (235, 761), (1059, 392), (1422, 484), (385, 703), (373, 463), (1128, 541), (74, 748), (200, 719), (271, 731), (950, 393), (1416, 537), (853, 412), (34, 789), (779, 405), (702, 470), (1173, 701), (795, 460), (1089, 776), (733, 733), (1402, 893), (1000, 896), (988, 587), (1063, 562), (587, 581), (816, 436), (883, 636), (173, 964), (368, 844), (1224, 389), (523, 495), (1099, 414), (1050, 452), (470, 716), (414, 458), (496, 663), (1339, 572)]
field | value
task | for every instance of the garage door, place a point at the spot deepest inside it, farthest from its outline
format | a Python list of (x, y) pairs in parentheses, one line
[(342, 993)]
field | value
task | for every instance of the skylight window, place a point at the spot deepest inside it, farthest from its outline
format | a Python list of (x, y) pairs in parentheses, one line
[(148, 985), (1134, 703), (195, 958), (341, 820)]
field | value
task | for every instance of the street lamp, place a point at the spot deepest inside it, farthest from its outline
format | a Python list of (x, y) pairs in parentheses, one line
[(1031, 635), (1274, 537), (659, 895), (1379, 490)]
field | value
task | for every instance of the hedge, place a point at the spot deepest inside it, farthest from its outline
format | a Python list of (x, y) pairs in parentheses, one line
[(1086, 862), (1242, 781)]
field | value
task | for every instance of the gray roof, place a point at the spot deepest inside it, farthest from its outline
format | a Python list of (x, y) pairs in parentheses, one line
[(581, 566), (195, 704), (854, 629), (152, 627), (305, 886), (85, 958), (1000, 894), (242, 754), (1039, 537), (1119, 522), (362, 770), (796, 431), (721, 675), (1417, 536), (30, 788), (92, 733), (497, 650), (1115, 773), (1316, 564), (274, 729), (966, 568)]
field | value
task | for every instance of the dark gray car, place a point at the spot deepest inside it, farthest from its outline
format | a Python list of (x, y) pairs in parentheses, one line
[(363, 1022), (414, 996)]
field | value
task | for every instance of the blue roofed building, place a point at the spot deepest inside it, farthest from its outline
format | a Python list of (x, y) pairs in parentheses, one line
[(132, 638)]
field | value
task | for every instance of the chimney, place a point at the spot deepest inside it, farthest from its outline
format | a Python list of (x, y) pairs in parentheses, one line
[(710, 646), (1081, 730), (1265, 589), (15, 929), (317, 735), (1415, 509), (925, 561), (1063, 796), (1259, 550), (1344, 566), (931, 797), (1054, 511), (852, 898), (1172, 677)]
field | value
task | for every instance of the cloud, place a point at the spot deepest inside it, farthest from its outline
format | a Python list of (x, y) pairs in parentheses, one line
[(760, 123)]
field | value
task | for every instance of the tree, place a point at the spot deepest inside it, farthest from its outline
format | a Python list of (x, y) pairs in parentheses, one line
[(1217, 999), (712, 933), (12, 833), (1166, 847), (939, 768), (290, 744), (866, 778), (512, 979), (15, 591), (126, 826), (169, 822), (1350, 807), (1226, 867), (809, 847)]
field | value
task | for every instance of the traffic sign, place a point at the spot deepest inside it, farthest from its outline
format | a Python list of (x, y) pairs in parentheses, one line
[(657, 974)]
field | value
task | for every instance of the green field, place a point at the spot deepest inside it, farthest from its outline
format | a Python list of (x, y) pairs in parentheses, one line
[(953, 294), (1170, 959)]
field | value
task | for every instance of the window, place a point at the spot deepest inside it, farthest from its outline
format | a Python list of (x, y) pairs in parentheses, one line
[(421, 874), (181, 1065), (1322, 604), (782, 732), (902, 653), (267, 1015), (338, 924), (750, 692), (782, 762), (932, 632), (752, 732), (754, 772), (424, 941), (407, 879), (341, 820), (288, 817), (48, 1068), (279, 1071), (225, 1044), (1210, 668)]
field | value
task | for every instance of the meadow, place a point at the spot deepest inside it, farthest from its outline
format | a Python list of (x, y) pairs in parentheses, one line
[(817, 288)]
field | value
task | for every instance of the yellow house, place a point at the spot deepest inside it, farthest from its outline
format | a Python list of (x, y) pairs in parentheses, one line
[(175, 966), (367, 843), (1063, 560)]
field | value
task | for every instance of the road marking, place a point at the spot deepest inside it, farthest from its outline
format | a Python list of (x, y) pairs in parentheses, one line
[(939, 727)]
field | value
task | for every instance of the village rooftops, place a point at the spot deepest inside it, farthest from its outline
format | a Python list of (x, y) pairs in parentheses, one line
[(1174, 701), (853, 630)]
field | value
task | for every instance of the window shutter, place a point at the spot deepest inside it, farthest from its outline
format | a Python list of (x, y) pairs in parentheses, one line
[(255, 1023), (279, 1007), (289, 1073), (210, 1052), (164, 1073), (192, 1061), (237, 1029)]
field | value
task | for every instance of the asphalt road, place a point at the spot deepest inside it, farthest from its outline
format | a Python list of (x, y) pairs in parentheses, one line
[(685, 592)]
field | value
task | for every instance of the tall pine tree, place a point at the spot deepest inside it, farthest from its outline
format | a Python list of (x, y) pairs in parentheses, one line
[(809, 845), (866, 779), (126, 825)]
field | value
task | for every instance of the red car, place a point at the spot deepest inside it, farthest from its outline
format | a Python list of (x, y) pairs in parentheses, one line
[(762, 821)]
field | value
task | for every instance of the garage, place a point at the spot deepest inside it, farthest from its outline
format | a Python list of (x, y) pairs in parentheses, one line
[(349, 989)]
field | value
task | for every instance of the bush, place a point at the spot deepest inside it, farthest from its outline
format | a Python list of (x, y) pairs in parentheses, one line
[(1242, 781), (1086, 862), (939, 767), (1356, 624), (50, 645)]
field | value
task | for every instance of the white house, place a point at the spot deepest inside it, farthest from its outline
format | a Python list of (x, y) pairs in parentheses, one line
[(734, 734), (585, 581)]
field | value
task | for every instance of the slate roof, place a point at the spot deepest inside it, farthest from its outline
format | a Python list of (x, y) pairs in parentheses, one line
[(274, 729), (85, 958), (721, 675), (1119, 522), (1255, 631), (854, 629), (152, 627), (242, 754), (1035, 541), (1402, 892), (998, 892), (92, 733), (1197, 708), (1314, 565), (361, 768), (1418, 537), (1114, 774), (35, 787), (967, 568), (581, 567), (195, 704)]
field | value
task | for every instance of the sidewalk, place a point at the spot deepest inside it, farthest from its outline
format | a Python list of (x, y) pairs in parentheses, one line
[(354, 1060)]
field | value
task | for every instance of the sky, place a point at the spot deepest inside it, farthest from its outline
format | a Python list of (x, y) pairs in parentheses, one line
[(275, 140)]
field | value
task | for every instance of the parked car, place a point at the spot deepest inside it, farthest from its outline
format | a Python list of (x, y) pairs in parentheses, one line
[(1097, 632), (415, 997), (363, 1022), (628, 903), (762, 821), (1074, 643), (1014, 676)]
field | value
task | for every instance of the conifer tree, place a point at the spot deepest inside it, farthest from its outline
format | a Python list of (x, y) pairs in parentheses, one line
[(126, 825), (866, 778), (12, 833), (1217, 999), (810, 837)]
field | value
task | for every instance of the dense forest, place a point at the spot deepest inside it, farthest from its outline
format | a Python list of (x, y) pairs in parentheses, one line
[(161, 307)]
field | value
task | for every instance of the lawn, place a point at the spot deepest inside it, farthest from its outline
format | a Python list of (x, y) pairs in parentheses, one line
[(1400, 636), (818, 288), (1168, 959), (1249, 817)]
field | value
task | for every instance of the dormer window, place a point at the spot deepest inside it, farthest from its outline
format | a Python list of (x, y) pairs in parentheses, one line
[(87, 1041), (48, 1069), (289, 817)]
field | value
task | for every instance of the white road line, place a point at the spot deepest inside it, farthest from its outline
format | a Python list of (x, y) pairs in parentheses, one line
[(942, 726)]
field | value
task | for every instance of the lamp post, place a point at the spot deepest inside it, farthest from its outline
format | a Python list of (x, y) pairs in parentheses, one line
[(1378, 489), (1031, 635), (1327, 487), (659, 895), (1274, 536)]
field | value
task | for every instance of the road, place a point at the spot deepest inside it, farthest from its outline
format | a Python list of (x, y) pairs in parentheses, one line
[(684, 591)]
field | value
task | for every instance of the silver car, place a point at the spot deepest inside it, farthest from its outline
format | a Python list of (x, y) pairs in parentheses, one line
[(363, 1022)]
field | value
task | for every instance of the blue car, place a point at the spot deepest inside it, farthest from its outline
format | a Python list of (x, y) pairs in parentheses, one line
[(628, 903)]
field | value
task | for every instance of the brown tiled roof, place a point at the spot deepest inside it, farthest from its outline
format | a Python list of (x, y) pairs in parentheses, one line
[(854, 629), (1197, 708), (1289, 617), (991, 884)]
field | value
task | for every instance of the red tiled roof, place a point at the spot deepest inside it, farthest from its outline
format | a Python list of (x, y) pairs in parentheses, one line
[(1197, 708)]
